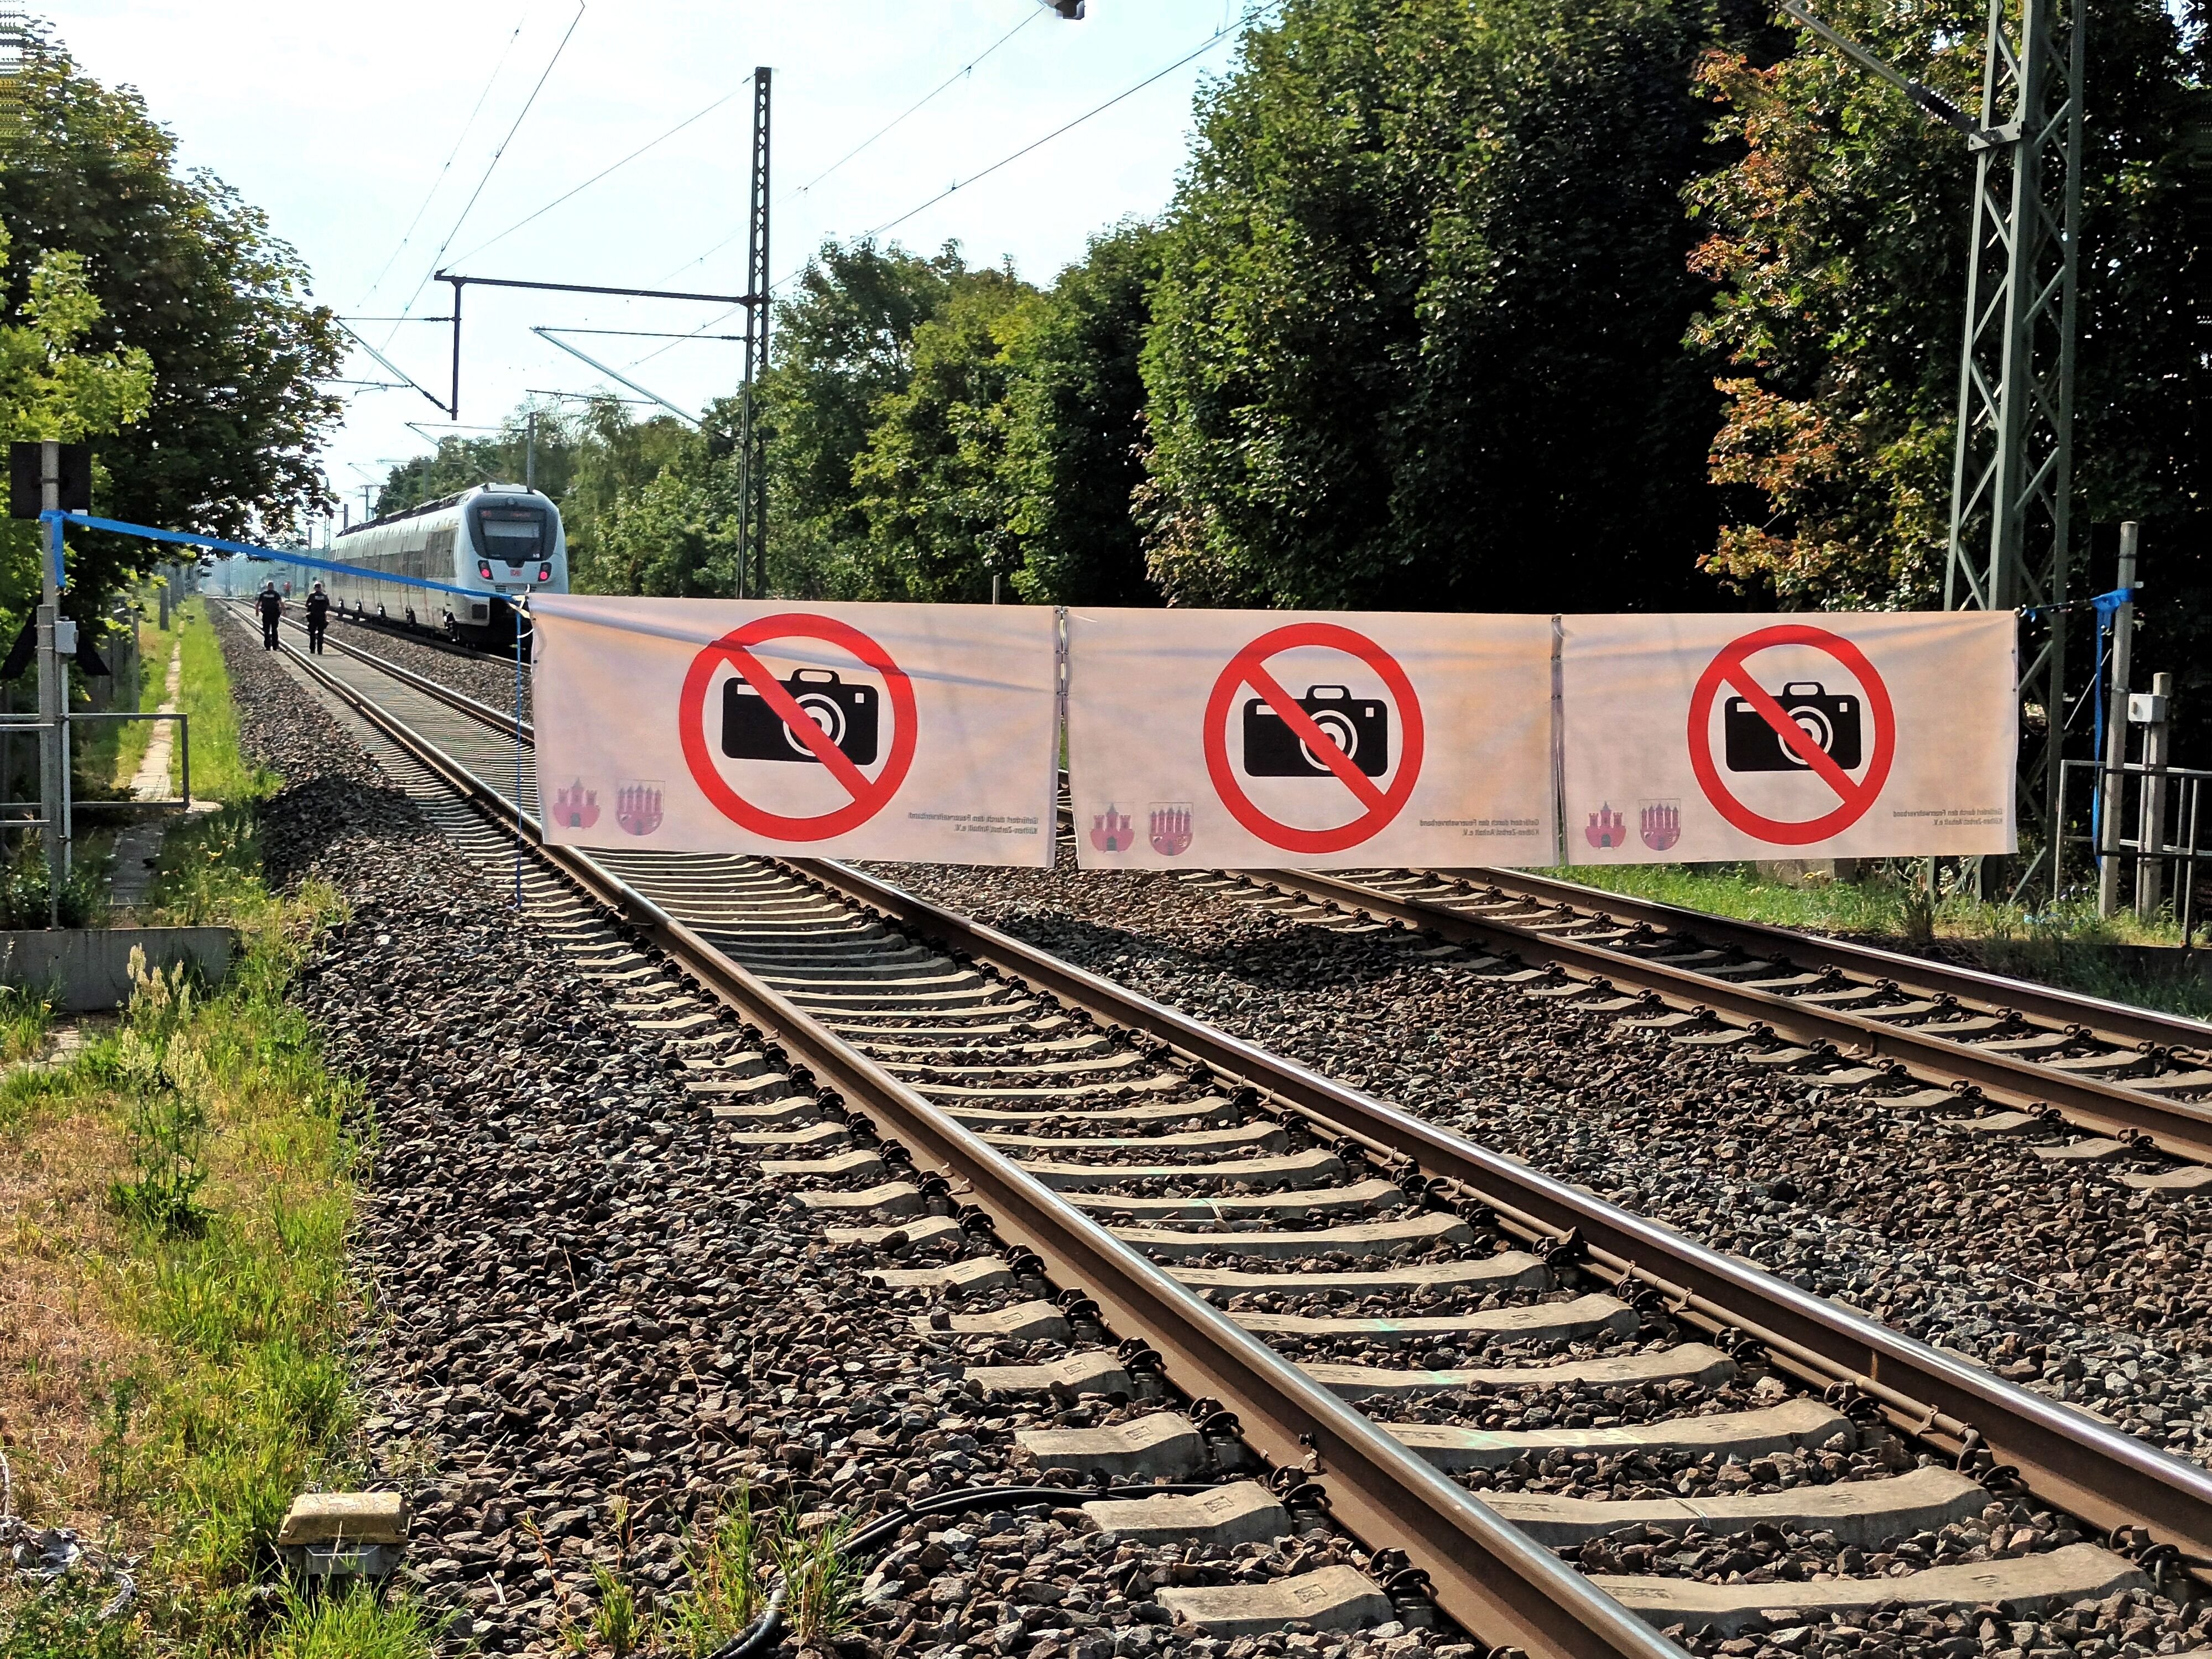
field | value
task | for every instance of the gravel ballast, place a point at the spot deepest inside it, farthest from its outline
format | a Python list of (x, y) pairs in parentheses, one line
[(2060, 1278), (1565, 1091), (585, 1298)]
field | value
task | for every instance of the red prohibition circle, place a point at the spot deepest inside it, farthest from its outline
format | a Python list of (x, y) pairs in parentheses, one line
[(1855, 798), (1249, 665), (870, 797)]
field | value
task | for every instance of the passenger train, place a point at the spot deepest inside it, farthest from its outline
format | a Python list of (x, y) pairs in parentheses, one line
[(496, 540)]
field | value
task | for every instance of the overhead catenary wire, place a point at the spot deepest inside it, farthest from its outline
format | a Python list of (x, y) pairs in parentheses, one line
[(960, 74), (614, 168), (461, 138), (490, 167), (1200, 50)]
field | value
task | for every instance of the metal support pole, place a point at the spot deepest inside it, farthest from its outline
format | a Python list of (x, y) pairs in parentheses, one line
[(2116, 733), (530, 450), (454, 402), (52, 688), (2150, 871), (2188, 917), (752, 470), (2012, 471), (515, 617)]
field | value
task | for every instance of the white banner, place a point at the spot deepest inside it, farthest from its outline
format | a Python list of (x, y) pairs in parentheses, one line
[(1857, 734), (1249, 739), (910, 731)]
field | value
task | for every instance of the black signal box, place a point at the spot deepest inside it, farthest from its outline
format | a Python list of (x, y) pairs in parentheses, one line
[(27, 478)]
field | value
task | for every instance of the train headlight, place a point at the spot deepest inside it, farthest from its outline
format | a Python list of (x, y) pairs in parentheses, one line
[(544, 572), (484, 568)]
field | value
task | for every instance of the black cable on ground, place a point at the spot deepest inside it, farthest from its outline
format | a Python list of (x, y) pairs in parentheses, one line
[(761, 1634)]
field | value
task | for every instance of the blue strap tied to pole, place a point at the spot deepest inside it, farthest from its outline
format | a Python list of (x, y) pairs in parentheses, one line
[(2107, 606)]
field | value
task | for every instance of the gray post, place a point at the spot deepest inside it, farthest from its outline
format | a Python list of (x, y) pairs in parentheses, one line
[(529, 451), (2116, 733), (52, 688), (2150, 872), (163, 573)]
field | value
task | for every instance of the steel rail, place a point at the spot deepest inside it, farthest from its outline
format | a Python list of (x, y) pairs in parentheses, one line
[(1484, 1572), (2067, 1458), (2111, 1021), (2182, 1128)]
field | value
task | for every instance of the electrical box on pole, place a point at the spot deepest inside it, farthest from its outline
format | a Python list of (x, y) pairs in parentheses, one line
[(2012, 477)]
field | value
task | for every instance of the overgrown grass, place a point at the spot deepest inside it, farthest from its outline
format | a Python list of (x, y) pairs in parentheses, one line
[(197, 1162), (157, 645), (2066, 944), (731, 1569), (208, 872), (220, 771), (25, 1019), (26, 884)]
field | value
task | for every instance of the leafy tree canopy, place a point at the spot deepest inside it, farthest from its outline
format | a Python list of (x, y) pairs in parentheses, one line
[(1416, 343), (51, 387), (185, 273), (1837, 238)]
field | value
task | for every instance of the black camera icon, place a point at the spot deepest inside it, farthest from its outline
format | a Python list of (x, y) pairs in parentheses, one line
[(846, 715), (1830, 721), (1359, 726)]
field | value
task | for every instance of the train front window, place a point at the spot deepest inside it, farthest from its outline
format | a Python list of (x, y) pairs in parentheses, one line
[(511, 535)]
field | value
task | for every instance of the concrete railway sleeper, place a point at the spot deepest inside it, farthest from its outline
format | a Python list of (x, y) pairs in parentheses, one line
[(1727, 1458)]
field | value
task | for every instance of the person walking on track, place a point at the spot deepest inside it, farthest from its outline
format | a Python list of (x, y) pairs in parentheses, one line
[(271, 607), (318, 618)]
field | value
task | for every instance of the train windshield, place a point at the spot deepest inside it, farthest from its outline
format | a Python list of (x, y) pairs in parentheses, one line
[(514, 534)]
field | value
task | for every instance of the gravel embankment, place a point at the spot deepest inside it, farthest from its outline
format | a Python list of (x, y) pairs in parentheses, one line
[(585, 1298), (2060, 1277)]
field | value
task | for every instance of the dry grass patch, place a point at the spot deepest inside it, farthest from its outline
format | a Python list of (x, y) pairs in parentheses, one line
[(179, 1311), (62, 1343)]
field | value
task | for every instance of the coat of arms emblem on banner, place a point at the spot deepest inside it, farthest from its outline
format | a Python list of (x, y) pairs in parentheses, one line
[(1607, 828), (1169, 828), (1660, 824), (637, 805), (1112, 830), (575, 807)]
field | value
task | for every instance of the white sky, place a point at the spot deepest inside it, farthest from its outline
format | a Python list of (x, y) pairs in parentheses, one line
[(337, 118)]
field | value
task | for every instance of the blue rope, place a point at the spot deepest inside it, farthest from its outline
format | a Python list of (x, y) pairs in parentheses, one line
[(281, 555)]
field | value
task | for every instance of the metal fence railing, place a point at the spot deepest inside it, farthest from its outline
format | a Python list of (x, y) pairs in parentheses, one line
[(2166, 806)]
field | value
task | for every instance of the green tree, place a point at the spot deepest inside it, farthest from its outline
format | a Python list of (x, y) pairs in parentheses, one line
[(52, 386), (1836, 235), (933, 478), (677, 533), (186, 272), (1418, 333), (842, 341), (1076, 427), (460, 463), (615, 456)]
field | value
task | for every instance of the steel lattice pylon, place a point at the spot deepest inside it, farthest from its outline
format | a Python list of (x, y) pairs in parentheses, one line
[(2012, 481), (752, 457)]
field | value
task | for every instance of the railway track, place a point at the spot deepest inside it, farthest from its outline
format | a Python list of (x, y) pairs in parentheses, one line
[(1895, 1033), (1353, 1307)]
